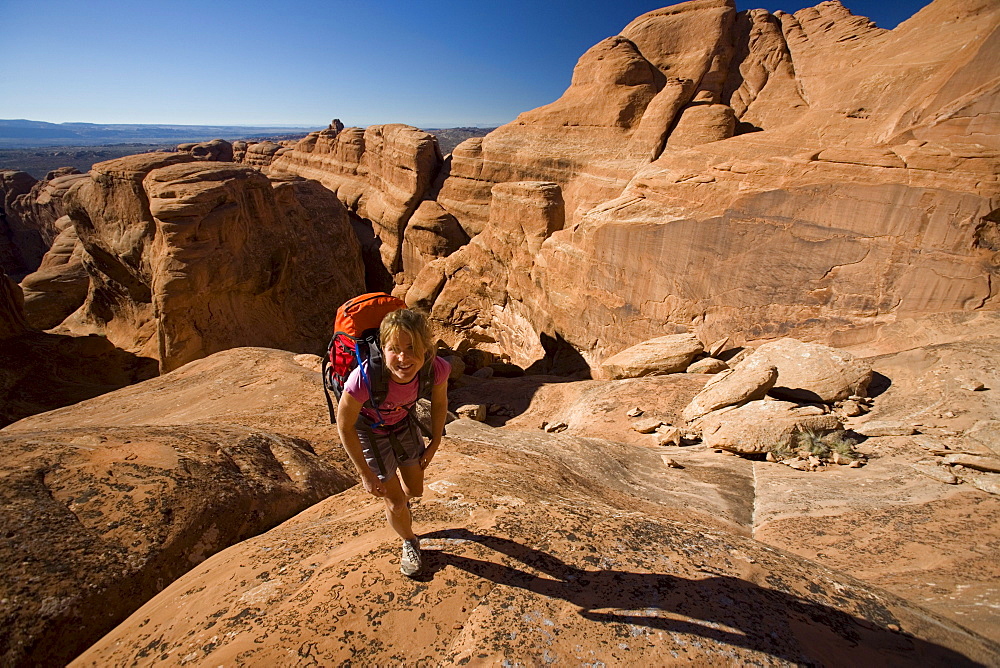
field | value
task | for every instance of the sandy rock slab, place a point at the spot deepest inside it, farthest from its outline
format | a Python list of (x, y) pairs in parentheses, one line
[(933, 543), (589, 407), (94, 522), (665, 354), (526, 565)]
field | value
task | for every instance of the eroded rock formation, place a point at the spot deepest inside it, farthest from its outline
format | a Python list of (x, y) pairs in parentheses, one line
[(380, 173), (748, 174), (59, 286), (190, 257), (29, 210)]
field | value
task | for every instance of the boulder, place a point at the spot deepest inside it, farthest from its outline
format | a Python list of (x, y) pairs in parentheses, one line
[(813, 372), (662, 355), (750, 381), (761, 426), (707, 365), (987, 464)]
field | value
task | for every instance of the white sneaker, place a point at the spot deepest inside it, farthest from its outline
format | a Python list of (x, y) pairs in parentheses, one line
[(411, 561)]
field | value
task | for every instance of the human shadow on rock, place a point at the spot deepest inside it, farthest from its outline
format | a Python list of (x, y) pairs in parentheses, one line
[(719, 608)]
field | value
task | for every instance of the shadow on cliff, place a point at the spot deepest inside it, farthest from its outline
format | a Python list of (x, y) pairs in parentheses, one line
[(561, 364), (40, 372), (719, 608), (561, 359)]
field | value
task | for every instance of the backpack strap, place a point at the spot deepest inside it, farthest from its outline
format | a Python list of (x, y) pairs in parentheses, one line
[(328, 384)]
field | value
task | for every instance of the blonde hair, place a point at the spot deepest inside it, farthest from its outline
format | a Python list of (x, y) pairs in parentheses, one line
[(411, 322)]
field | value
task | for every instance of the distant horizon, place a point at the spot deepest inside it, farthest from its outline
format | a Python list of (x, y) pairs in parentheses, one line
[(424, 63), (254, 126)]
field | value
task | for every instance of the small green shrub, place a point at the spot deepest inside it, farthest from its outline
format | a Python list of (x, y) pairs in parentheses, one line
[(783, 451), (817, 444)]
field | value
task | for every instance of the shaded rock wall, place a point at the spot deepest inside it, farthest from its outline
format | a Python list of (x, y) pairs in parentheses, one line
[(12, 321), (28, 213)]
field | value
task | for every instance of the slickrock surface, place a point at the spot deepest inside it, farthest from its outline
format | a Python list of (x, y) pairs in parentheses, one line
[(188, 257), (932, 543), (858, 517), (108, 501), (259, 388), (518, 572), (97, 520)]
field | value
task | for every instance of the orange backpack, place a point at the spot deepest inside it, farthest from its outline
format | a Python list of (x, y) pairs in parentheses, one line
[(355, 343)]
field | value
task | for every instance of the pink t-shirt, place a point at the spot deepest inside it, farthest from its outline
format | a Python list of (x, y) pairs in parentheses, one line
[(400, 396)]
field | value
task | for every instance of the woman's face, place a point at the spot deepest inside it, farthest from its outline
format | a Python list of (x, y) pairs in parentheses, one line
[(403, 357)]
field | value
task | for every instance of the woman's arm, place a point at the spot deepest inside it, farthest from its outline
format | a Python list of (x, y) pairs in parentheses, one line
[(439, 412), (347, 414)]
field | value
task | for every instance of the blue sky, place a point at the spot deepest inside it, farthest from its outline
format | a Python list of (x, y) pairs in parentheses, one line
[(427, 63)]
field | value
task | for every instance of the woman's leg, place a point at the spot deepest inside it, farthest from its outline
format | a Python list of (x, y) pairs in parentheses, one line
[(397, 512), (412, 479)]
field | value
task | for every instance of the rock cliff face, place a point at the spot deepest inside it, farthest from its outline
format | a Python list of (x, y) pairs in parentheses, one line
[(190, 257), (747, 174), (381, 174), (12, 321), (29, 210)]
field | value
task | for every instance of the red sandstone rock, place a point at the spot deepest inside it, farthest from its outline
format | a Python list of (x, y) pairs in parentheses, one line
[(812, 373), (527, 576), (662, 355), (761, 426), (12, 320), (380, 173), (751, 380), (187, 258), (503, 306), (218, 150), (806, 226), (59, 286)]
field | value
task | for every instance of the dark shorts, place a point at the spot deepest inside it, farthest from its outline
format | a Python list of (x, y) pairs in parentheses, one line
[(398, 448)]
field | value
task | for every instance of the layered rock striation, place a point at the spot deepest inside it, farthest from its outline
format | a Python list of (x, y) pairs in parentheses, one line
[(747, 174), (381, 174)]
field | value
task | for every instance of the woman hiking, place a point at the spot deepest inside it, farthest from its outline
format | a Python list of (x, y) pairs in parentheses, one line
[(384, 441)]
